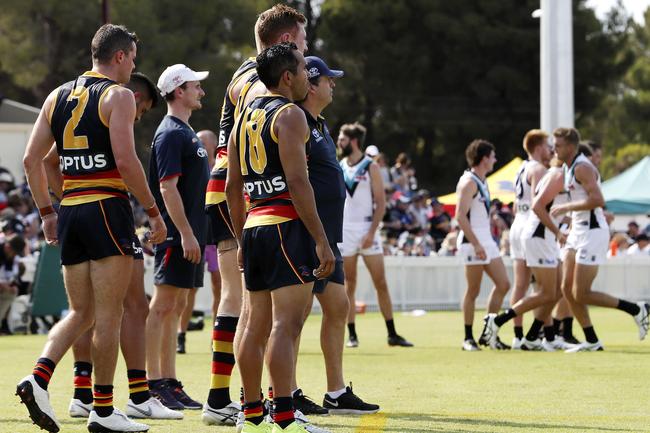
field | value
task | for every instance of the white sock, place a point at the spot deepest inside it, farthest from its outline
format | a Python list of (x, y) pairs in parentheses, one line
[(337, 394)]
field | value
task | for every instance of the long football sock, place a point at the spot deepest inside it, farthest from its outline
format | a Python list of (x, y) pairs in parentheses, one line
[(533, 332), (628, 307), (83, 384), (590, 334), (223, 360), (504, 317), (138, 386), (43, 371), (103, 400)]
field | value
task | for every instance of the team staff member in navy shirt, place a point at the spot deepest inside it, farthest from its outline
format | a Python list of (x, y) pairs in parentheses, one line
[(177, 171), (326, 178)]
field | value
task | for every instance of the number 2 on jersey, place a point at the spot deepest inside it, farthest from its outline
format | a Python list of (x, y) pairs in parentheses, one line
[(70, 140), (251, 133)]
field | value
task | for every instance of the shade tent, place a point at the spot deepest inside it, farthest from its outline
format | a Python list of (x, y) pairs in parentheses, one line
[(628, 193), (501, 184)]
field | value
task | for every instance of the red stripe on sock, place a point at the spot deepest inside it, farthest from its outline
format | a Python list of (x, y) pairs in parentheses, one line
[(41, 374), (44, 367), (82, 381), (220, 335), (283, 416), (222, 368)]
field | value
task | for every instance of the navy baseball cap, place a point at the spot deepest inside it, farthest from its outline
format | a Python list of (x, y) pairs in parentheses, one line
[(316, 67)]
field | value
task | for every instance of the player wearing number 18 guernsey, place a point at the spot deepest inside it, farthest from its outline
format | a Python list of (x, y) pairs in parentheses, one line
[(282, 242), (586, 245)]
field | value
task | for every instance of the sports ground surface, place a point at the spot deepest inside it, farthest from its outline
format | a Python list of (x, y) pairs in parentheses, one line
[(434, 387)]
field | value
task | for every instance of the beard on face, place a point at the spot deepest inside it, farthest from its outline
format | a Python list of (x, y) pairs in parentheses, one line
[(346, 150)]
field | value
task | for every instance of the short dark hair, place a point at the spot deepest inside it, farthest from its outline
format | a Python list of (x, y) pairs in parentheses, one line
[(110, 39), (272, 23), (273, 61), (172, 95), (355, 130), (595, 146), (571, 135), (139, 82), (585, 149), (17, 244), (477, 150)]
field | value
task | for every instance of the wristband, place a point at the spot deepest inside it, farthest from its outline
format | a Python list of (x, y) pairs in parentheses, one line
[(45, 211), (152, 211)]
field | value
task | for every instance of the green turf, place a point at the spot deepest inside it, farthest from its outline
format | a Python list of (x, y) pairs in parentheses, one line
[(434, 387)]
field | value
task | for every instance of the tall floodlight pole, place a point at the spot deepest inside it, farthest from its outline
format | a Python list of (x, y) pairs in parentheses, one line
[(556, 70)]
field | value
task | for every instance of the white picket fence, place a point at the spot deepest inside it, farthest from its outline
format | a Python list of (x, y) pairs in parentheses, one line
[(438, 283)]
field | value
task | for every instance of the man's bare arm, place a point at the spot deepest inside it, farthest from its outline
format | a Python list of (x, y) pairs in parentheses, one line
[(53, 172), (546, 196), (465, 193), (234, 189)]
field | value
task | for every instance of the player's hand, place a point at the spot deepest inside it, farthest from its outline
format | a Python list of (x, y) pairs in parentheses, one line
[(367, 240), (326, 259), (561, 238), (479, 251), (557, 210), (158, 231), (50, 223), (191, 249)]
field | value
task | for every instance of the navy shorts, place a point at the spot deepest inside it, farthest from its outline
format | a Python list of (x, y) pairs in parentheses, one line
[(171, 268), (278, 255), (95, 230), (220, 223), (337, 276)]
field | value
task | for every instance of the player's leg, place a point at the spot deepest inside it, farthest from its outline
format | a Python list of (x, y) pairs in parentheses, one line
[(521, 273), (32, 390), (184, 320), (473, 276), (350, 270), (496, 270), (133, 345), (375, 265), (250, 352), (288, 305), (82, 399)]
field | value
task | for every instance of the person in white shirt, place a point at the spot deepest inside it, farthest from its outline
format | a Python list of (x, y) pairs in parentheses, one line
[(476, 246), (586, 246)]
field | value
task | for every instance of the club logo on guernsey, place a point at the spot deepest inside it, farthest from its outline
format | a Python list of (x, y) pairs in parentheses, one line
[(260, 187), (201, 152), (317, 135), (86, 162)]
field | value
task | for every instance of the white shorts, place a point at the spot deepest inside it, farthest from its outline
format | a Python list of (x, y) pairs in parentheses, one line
[(466, 251), (542, 252), (517, 245), (352, 238), (590, 246)]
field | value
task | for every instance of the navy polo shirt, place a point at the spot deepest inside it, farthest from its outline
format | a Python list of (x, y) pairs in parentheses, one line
[(326, 178), (176, 151)]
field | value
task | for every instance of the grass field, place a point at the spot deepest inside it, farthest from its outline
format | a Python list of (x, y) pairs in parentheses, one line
[(434, 387)]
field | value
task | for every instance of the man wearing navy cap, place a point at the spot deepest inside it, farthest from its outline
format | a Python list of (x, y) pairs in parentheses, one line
[(326, 178)]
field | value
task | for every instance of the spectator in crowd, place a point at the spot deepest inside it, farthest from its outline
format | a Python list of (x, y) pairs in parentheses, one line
[(499, 222), (618, 245), (6, 185), (421, 209), (400, 218), (403, 173), (11, 247), (640, 247), (633, 229), (384, 169), (439, 223)]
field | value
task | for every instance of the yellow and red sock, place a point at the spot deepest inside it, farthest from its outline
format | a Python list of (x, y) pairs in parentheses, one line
[(223, 360), (138, 386), (43, 371), (83, 384), (253, 412), (103, 400)]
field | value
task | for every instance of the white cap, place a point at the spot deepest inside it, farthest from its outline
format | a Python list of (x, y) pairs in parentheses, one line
[(175, 75), (372, 151)]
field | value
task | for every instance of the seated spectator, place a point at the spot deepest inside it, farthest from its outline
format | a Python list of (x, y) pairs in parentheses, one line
[(403, 173), (618, 245), (400, 218), (640, 247), (421, 208), (448, 246), (439, 223), (6, 185), (632, 229), (10, 248)]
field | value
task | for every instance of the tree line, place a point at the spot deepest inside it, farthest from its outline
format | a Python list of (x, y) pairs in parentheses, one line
[(425, 76)]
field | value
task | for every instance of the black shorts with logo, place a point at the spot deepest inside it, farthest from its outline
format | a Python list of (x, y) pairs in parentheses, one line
[(95, 230), (137, 248), (171, 268), (337, 276), (220, 223), (278, 255)]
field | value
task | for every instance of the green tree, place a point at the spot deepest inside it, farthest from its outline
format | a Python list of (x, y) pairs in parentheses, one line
[(624, 158)]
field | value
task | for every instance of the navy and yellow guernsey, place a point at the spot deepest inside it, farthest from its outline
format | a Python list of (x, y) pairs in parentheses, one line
[(83, 141), (215, 192), (259, 156)]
